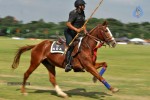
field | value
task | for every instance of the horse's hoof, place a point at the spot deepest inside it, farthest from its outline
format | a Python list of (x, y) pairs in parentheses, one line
[(114, 90), (64, 95), (25, 94), (94, 79)]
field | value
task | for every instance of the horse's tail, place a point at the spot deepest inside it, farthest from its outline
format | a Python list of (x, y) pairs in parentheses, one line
[(18, 55)]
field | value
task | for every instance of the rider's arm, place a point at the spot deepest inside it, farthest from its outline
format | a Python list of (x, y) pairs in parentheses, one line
[(73, 28), (85, 30)]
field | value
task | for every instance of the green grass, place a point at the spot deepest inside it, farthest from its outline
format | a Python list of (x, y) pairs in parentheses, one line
[(128, 70)]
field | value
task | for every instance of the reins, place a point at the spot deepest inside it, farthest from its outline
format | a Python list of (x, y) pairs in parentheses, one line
[(107, 38), (93, 37), (97, 40)]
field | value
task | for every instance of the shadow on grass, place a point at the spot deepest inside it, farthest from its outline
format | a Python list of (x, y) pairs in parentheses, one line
[(83, 92), (75, 92)]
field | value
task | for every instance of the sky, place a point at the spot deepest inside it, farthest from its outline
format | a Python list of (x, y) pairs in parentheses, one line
[(58, 10)]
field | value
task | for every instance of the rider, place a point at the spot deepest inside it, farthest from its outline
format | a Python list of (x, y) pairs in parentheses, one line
[(74, 25)]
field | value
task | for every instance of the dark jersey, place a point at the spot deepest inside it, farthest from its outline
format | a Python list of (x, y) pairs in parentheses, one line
[(76, 18)]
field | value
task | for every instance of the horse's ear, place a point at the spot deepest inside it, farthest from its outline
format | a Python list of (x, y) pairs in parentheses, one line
[(105, 23)]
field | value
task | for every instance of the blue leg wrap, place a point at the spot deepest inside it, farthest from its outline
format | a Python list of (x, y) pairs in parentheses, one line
[(106, 84), (102, 71)]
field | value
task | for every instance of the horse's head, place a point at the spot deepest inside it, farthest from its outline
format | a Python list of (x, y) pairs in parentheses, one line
[(105, 35)]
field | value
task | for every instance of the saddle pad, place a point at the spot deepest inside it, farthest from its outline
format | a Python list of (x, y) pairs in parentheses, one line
[(57, 48)]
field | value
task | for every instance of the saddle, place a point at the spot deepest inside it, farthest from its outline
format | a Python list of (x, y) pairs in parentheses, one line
[(59, 45), (61, 41)]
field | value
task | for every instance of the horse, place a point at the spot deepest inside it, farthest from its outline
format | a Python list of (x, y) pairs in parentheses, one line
[(83, 59)]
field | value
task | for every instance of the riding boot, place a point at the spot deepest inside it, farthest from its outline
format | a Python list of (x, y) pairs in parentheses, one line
[(69, 59)]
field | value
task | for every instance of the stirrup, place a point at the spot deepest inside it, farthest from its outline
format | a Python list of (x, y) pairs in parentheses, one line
[(68, 68)]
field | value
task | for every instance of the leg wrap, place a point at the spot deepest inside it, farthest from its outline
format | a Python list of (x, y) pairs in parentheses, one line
[(102, 71), (106, 84)]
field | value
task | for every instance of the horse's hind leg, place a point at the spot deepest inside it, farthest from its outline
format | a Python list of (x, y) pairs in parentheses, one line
[(33, 65), (51, 70)]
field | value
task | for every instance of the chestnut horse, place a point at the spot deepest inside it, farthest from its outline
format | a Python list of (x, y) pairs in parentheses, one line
[(84, 59)]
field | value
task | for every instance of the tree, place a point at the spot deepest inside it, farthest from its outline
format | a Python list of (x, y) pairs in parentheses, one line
[(42, 29)]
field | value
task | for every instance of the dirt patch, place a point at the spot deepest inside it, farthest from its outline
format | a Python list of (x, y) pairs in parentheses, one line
[(127, 97), (2, 83), (122, 79), (39, 88), (3, 75), (82, 83), (3, 99)]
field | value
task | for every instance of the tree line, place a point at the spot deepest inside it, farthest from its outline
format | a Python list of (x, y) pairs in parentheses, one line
[(9, 26)]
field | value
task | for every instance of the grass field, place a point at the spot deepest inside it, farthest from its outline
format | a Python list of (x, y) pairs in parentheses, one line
[(128, 70)]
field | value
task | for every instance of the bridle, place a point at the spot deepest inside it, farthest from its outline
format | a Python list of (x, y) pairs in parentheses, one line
[(102, 32)]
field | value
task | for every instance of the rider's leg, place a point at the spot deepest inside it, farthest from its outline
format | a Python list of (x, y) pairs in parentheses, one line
[(69, 38), (69, 59)]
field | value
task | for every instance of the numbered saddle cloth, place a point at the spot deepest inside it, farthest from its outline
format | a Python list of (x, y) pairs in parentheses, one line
[(57, 48)]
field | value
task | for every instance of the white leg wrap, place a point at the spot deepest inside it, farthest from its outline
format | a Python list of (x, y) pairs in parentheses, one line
[(60, 92)]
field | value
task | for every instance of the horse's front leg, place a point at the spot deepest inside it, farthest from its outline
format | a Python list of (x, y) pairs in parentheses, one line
[(97, 66), (90, 68)]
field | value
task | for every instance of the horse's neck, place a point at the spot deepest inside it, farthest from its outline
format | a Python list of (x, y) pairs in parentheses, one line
[(90, 41)]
